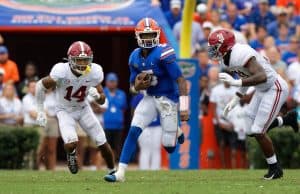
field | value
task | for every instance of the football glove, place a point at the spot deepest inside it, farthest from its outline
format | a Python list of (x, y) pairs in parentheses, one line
[(41, 118), (93, 92), (225, 77), (233, 102)]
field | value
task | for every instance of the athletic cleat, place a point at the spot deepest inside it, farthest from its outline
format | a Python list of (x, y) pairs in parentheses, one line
[(72, 162), (291, 120), (180, 136), (275, 173), (180, 139), (114, 178), (110, 178), (112, 172)]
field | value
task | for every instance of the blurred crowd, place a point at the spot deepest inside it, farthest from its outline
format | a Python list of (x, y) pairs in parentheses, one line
[(272, 27)]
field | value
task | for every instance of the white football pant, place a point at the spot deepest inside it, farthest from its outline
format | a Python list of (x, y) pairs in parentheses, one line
[(87, 121), (147, 111), (265, 106)]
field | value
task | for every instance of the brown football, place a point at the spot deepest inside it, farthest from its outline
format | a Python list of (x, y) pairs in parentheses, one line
[(144, 76)]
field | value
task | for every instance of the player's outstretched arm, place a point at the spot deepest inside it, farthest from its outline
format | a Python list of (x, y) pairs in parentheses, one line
[(258, 74), (41, 88), (183, 99)]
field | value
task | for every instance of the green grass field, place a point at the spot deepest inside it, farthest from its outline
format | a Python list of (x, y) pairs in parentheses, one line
[(144, 182)]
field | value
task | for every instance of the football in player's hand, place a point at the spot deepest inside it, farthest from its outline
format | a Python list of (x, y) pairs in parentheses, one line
[(142, 81), (144, 76)]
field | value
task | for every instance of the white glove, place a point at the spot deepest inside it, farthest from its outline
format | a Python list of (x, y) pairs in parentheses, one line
[(93, 92), (41, 118), (225, 77), (233, 102)]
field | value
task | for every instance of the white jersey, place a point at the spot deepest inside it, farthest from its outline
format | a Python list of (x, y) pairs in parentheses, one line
[(240, 55), (71, 91)]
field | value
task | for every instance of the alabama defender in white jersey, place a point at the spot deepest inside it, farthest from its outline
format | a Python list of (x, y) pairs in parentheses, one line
[(253, 70), (73, 81)]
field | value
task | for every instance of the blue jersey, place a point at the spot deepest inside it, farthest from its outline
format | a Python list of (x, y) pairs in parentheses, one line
[(161, 63)]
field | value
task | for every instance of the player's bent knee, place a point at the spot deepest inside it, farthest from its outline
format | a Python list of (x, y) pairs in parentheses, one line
[(169, 139), (99, 138), (138, 122), (256, 130)]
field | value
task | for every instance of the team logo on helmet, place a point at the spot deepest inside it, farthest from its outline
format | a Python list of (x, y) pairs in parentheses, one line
[(219, 43), (147, 33), (80, 57)]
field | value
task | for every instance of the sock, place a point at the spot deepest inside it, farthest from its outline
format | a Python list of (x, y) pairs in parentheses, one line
[(121, 171), (110, 170), (122, 166), (130, 144), (274, 124), (73, 152), (272, 161), (280, 121), (287, 119)]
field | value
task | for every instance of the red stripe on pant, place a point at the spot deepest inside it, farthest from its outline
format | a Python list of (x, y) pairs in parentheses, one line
[(278, 92)]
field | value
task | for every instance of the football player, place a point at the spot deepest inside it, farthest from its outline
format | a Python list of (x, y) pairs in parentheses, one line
[(73, 81), (153, 68), (253, 70)]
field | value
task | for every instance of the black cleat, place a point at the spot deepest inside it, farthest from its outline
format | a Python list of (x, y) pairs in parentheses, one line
[(274, 173), (291, 120), (72, 162)]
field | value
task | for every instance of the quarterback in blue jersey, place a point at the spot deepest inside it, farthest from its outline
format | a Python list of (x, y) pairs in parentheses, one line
[(153, 68)]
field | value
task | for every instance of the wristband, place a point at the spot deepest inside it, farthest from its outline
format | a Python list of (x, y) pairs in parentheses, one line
[(183, 103)]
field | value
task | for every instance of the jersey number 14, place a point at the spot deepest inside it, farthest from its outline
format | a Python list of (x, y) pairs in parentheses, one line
[(79, 94)]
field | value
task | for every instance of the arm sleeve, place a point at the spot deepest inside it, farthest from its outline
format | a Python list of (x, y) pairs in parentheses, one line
[(132, 69), (168, 61), (133, 74), (40, 91)]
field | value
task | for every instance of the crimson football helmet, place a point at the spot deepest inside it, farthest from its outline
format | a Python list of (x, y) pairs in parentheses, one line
[(219, 43), (147, 33), (80, 57)]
